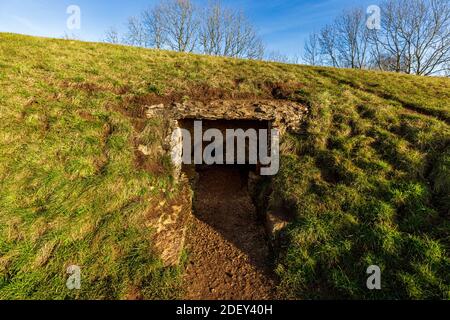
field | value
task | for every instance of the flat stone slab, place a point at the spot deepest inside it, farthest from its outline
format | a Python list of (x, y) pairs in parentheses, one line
[(282, 113)]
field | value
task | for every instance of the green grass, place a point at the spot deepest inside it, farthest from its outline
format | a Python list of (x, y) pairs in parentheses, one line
[(368, 180), (369, 184)]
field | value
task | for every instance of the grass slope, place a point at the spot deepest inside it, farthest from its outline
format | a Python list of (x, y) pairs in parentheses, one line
[(368, 180)]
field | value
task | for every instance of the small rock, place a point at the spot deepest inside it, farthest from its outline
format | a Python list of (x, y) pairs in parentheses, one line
[(145, 150)]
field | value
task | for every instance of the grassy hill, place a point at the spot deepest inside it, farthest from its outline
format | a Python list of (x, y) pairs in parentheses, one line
[(368, 178)]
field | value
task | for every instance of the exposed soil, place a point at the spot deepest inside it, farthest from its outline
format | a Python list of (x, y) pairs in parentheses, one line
[(135, 105), (229, 254)]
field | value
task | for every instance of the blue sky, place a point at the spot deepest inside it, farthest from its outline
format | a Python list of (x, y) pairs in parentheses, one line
[(283, 25)]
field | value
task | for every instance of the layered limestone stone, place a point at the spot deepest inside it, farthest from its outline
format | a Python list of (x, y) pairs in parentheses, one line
[(283, 114), (172, 220)]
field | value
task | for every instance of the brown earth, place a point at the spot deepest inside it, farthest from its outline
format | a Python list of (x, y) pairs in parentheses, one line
[(229, 254)]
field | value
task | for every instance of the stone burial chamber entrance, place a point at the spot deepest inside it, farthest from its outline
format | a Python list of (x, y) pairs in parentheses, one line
[(246, 143), (227, 241), (230, 254)]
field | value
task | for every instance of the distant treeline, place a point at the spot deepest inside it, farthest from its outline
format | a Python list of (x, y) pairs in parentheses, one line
[(408, 36)]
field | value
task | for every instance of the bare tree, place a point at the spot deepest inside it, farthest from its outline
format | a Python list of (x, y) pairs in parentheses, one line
[(136, 35), (228, 32), (214, 29), (112, 36), (277, 56), (414, 36), (328, 45), (312, 51), (154, 26), (179, 24), (430, 30), (242, 40), (352, 38), (389, 47)]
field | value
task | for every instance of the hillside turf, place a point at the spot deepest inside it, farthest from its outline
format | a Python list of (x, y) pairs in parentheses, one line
[(367, 179)]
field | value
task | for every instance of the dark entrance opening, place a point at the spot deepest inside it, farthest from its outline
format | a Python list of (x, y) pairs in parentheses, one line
[(229, 253)]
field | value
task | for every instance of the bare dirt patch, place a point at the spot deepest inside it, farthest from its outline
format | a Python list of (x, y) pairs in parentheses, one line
[(229, 254)]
